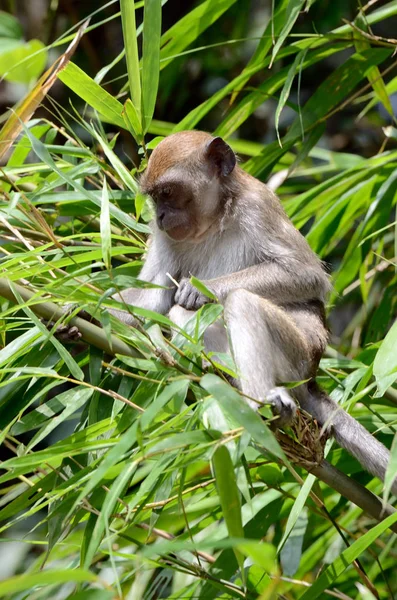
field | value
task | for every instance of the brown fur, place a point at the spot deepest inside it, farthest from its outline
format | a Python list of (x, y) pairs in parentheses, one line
[(170, 152)]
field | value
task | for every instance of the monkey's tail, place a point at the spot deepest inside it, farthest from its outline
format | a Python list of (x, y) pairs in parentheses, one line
[(350, 435)]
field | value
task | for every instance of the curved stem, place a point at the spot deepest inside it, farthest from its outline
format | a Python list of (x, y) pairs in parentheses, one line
[(90, 333)]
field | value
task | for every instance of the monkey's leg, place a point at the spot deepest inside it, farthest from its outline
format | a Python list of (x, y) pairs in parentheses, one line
[(215, 336), (268, 349)]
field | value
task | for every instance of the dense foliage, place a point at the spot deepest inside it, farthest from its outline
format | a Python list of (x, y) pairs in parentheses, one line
[(134, 473)]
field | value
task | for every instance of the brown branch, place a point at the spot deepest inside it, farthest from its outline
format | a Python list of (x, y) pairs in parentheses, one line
[(90, 333), (354, 491)]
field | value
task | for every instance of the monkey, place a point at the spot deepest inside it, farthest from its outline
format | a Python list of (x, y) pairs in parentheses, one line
[(215, 221)]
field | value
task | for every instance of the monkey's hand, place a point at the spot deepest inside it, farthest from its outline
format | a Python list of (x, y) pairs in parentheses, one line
[(188, 296)]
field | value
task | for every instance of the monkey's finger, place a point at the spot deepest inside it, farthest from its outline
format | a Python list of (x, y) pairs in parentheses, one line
[(70, 334)]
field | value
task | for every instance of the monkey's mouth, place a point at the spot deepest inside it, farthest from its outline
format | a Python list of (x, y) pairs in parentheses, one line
[(178, 233)]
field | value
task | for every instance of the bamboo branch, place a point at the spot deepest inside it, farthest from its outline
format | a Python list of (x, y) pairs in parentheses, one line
[(90, 333), (354, 491)]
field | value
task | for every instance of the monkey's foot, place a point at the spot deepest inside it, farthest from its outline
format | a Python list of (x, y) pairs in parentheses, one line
[(64, 333), (282, 405)]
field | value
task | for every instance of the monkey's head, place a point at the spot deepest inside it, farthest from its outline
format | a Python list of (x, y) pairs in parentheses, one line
[(186, 175)]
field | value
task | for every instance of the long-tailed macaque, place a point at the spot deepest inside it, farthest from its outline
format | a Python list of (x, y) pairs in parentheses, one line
[(223, 226)]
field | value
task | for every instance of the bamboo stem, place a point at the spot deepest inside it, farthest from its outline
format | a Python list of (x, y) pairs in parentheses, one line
[(90, 333)]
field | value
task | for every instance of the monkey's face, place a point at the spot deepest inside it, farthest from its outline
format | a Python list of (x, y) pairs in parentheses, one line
[(185, 176), (175, 209)]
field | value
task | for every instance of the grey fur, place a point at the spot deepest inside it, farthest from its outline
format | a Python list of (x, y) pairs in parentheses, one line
[(272, 286)]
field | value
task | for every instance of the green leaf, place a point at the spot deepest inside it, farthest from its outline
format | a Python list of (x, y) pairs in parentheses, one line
[(121, 446), (254, 99), (131, 52), (72, 365), (140, 202), (188, 29), (173, 391), (132, 120), (229, 496), (72, 400), (262, 554), (92, 595), (373, 74), (19, 583), (10, 27), (331, 92), (23, 63), (284, 95), (121, 170), (203, 288), (233, 404), (293, 10), (150, 59), (385, 363), (106, 236), (272, 30), (42, 152), (102, 523), (291, 552), (92, 93), (338, 566), (297, 509), (18, 346), (391, 470)]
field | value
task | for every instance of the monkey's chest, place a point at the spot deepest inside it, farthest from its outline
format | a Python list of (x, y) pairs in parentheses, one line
[(212, 260)]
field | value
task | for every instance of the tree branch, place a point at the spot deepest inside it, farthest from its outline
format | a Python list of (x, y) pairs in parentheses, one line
[(354, 491), (90, 333)]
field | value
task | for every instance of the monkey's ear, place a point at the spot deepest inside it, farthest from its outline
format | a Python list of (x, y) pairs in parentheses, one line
[(221, 156)]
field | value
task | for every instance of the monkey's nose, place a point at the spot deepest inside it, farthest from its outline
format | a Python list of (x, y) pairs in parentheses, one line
[(160, 219)]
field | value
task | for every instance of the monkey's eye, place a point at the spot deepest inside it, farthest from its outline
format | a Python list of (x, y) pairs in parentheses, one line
[(166, 192)]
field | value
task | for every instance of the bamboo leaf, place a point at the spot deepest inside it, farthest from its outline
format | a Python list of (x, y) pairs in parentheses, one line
[(187, 29), (325, 98), (338, 566), (29, 104), (272, 30), (299, 58), (42, 152), (385, 363), (373, 74), (131, 52), (150, 59), (293, 10), (24, 63), (132, 120), (20, 583), (102, 522), (76, 398), (229, 496), (233, 404), (106, 236), (203, 288), (62, 351), (92, 93), (10, 26)]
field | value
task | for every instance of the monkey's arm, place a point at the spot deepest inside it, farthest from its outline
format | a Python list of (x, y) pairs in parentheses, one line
[(292, 281), (153, 271)]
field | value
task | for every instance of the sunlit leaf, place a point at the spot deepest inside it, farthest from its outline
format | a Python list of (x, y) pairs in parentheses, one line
[(24, 63)]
